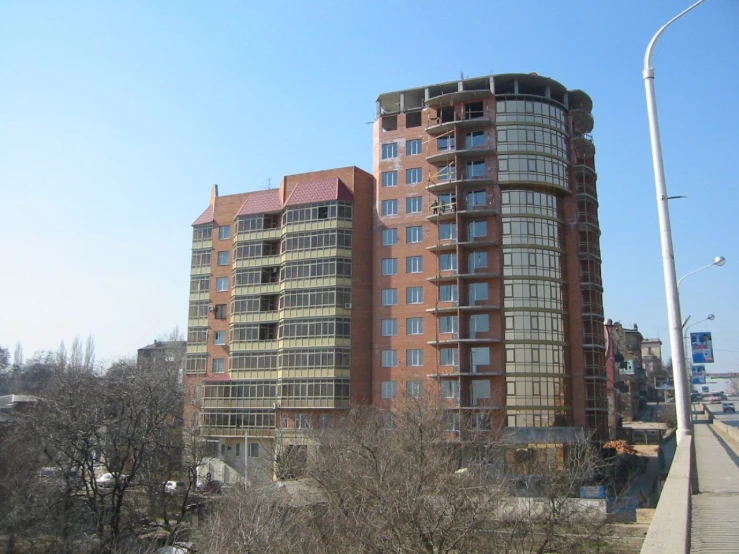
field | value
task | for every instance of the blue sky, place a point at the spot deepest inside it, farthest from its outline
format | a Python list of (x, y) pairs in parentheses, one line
[(116, 119)]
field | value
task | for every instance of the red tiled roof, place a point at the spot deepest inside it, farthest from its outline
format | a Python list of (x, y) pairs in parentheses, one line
[(205, 217), (263, 201), (319, 191), (217, 377)]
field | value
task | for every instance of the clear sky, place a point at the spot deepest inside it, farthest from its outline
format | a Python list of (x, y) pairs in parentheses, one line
[(116, 119)]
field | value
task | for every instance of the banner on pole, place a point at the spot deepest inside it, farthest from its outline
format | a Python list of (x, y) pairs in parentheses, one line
[(701, 346)]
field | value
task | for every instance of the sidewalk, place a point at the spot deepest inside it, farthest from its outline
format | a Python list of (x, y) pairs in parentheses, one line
[(716, 508)]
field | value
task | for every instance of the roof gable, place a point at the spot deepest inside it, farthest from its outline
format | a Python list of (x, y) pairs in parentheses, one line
[(325, 190), (205, 217), (263, 201)]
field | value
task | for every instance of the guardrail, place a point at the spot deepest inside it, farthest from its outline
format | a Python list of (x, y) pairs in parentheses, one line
[(670, 527)]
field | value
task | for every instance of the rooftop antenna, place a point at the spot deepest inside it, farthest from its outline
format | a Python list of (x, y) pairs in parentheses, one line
[(269, 183), (461, 75)]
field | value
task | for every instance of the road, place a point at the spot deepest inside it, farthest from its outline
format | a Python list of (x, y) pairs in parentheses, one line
[(728, 419)]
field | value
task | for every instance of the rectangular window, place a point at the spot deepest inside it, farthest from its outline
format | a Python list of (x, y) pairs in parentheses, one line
[(413, 205), (219, 337), (449, 356), (477, 229), (389, 389), (479, 323), (413, 147), (445, 143), (389, 207), (389, 266), (389, 150), (413, 176), (219, 365), (475, 168), (448, 293), (479, 356), (474, 139), (414, 357), (224, 232), (302, 421), (325, 421), (478, 291), (450, 389), (389, 237), (414, 295), (448, 231), (448, 324), (477, 260), (389, 358), (414, 326), (389, 297), (414, 234), (220, 311), (223, 257), (222, 284), (253, 450), (414, 264), (389, 327), (414, 389), (448, 262), (389, 178), (476, 198)]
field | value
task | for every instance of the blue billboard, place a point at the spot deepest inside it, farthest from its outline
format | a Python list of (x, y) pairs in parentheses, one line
[(701, 346), (699, 375)]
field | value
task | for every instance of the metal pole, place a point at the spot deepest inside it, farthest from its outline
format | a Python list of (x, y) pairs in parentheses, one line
[(246, 458), (682, 400)]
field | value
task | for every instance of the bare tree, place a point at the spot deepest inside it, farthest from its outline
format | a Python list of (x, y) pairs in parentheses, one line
[(89, 356), (174, 334), (61, 355), (18, 356), (76, 355)]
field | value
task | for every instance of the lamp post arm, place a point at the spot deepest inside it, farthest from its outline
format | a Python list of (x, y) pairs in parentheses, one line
[(650, 47), (695, 270)]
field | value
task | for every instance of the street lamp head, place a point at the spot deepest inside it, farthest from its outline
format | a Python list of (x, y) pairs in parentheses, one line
[(711, 317), (719, 261)]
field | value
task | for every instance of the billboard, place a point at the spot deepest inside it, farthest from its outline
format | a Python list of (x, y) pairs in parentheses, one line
[(699, 375), (702, 347)]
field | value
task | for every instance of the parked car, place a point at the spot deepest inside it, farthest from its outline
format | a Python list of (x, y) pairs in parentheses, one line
[(107, 480), (729, 408), (715, 400), (173, 487)]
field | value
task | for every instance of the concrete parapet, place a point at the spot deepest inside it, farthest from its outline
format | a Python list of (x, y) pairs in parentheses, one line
[(670, 528)]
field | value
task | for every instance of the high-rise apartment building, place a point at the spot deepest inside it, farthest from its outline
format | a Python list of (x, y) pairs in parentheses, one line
[(468, 267), (487, 256)]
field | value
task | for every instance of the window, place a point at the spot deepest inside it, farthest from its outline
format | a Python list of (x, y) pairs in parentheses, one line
[(389, 327), (414, 357), (477, 260), (448, 262), (448, 231), (414, 389), (389, 150), (389, 358), (479, 323), (450, 389), (413, 147), (449, 356), (302, 421), (413, 234), (413, 205), (222, 284), (448, 324), (389, 178), (219, 365), (478, 291), (413, 176), (389, 297), (475, 138), (445, 143), (448, 293), (219, 337), (389, 207), (253, 450), (479, 356), (223, 258), (220, 311), (414, 264), (224, 232), (389, 389), (414, 295), (476, 198), (389, 266), (475, 168), (238, 445), (414, 326), (389, 237), (477, 229)]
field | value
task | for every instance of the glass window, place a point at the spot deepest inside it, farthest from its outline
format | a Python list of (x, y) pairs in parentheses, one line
[(302, 421), (414, 264), (476, 229), (475, 168), (414, 295), (413, 176), (475, 138), (389, 327), (445, 143), (389, 389), (449, 356), (223, 257), (414, 234), (389, 207), (414, 389), (219, 365), (413, 147), (389, 150), (253, 450), (414, 326), (450, 389), (219, 337), (476, 198), (389, 358), (478, 291), (389, 178), (222, 284), (479, 323), (477, 260), (479, 356), (448, 262), (448, 231), (448, 324), (414, 357), (389, 297), (448, 293), (413, 205), (389, 237), (389, 266), (224, 232)]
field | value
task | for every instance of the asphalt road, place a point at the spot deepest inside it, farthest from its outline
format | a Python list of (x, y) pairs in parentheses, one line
[(728, 419)]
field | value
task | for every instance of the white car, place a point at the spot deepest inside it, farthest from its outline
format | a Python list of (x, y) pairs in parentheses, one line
[(172, 487), (106, 480)]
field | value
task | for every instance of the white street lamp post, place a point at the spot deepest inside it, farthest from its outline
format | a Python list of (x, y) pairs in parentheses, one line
[(682, 399)]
